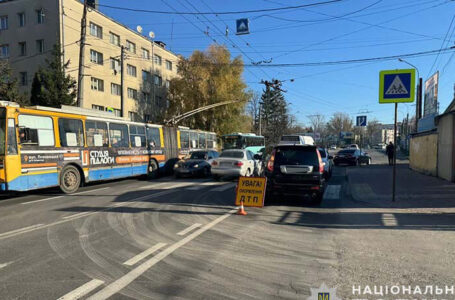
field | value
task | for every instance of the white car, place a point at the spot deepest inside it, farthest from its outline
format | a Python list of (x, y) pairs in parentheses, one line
[(353, 146), (234, 163)]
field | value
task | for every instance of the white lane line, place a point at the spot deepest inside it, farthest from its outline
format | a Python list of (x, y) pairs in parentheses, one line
[(192, 227), (332, 192), (52, 198), (82, 214), (5, 264), (125, 280), (389, 220), (166, 187), (224, 187), (142, 255), (82, 290), (20, 230)]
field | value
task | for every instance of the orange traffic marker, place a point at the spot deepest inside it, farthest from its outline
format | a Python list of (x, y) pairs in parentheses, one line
[(241, 210)]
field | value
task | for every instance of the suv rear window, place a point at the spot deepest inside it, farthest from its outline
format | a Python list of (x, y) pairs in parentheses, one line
[(233, 154), (296, 156)]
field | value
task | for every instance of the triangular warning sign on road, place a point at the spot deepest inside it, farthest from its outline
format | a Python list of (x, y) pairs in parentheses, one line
[(397, 87)]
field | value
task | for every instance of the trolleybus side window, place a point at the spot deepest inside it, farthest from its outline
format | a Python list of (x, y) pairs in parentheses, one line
[(12, 141), (119, 135), (153, 137), (71, 132), (184, 139), (36, 130), (202, 144), (97, 134), (137, 136)]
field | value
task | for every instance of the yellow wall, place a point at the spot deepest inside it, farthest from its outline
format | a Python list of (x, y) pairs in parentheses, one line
[(423, 155)]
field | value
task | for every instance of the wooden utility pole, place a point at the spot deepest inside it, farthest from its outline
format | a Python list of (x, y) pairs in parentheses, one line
[(80, 84), (122, 99)]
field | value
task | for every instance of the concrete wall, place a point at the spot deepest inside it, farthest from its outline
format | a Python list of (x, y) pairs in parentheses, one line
[(446, 148), (423, 154)]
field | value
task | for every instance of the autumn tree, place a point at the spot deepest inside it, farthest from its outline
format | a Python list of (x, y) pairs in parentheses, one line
[(339, 122), (9, 86), (206, 78), (51, 87)]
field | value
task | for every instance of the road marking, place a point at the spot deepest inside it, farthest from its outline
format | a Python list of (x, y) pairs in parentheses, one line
[(332, 192), (223, 187), (389, 220), (185, 231), (5, 264), (163, 186), (20, 230), (195, 187), (82, 290), (79, 215), (141, 256), (52, 198), (125, 280)]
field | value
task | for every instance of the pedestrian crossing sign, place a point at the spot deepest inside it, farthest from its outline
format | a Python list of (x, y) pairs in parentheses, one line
[(396, 86)]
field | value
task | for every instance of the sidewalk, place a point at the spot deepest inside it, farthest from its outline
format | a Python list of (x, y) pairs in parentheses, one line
[(373, 184)]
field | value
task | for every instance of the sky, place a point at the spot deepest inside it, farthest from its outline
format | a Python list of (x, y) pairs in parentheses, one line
[(336, 31)]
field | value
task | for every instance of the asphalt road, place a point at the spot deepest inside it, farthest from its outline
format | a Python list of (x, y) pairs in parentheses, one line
[(179, 239)]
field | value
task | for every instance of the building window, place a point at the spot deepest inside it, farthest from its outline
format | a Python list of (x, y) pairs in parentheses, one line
[(158, 100), (22, 48), (146, 118), (130, 46), (115, 39), (96, 30), (158, 60), (71, 132), (158, 80), (97, 107), (168, 83), (97, 84), (132, 93), (40, 16), (3, 22), (146, 76), (21, 17), (145, 54), (115, 65), (39, 46), (146, 97), (131, 70), (96, 57), (23, 78), (4, 51), (117, 112), (133, 116), (168, 65), (115, 89)]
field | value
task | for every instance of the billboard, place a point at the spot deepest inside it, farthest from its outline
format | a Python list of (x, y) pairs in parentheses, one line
[(431, 95)]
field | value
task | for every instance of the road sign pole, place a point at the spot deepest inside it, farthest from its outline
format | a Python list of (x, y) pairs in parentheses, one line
[(394, 153)]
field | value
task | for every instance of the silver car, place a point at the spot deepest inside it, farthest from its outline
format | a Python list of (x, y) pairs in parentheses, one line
[(234, 163), (327, 160)]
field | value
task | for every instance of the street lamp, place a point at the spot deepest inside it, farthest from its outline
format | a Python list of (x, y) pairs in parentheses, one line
[(419, 92)]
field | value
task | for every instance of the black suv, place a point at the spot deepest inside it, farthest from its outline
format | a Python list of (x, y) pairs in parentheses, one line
[(297, 170)]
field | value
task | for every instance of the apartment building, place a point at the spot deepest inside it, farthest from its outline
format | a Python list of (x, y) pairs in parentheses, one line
[(30, 28)]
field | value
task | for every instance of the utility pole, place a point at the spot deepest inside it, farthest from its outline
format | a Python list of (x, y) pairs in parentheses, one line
[(122, 79), (394, 153), (419, 103), (80, 84)]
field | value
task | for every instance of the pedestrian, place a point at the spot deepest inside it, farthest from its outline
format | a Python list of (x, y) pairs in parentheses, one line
[(389, 151)]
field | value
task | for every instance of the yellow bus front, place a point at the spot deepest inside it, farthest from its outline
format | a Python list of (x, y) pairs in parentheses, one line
[(10, 162)]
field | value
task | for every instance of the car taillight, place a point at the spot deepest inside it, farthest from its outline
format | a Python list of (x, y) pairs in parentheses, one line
[(238, 164), (321, 166), (214, 163), (271, 162)]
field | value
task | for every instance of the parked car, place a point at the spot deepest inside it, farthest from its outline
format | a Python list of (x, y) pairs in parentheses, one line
[(353, 146), (327, 160), (380, 147), (351, 157), (333, 147), (295, 170), (234, 162), (199, 163)]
